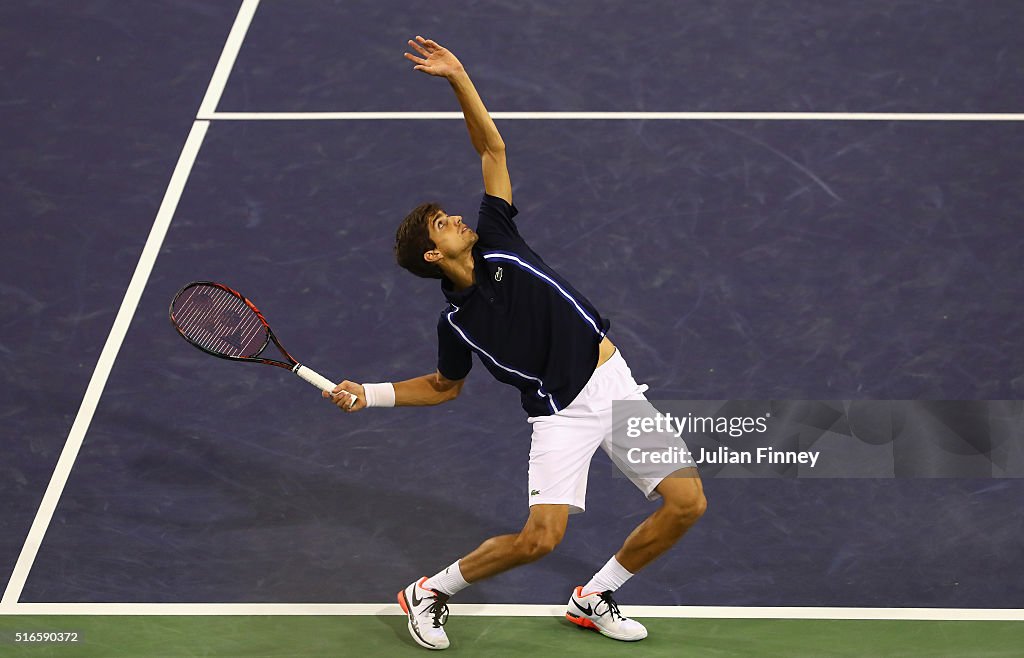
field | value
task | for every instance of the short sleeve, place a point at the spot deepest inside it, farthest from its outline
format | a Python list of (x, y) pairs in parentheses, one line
[(496, 218), (454, 358)]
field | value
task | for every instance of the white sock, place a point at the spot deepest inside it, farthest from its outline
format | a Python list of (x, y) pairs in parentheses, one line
[(612, 576), (449, 581)]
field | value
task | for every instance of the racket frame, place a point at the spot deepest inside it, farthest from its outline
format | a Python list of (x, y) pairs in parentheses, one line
[(291, 364), (309, 375)]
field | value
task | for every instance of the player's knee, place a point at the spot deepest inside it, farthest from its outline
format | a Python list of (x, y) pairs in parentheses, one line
[(538, 548), (700, 505), (533, 545), (687, 508)]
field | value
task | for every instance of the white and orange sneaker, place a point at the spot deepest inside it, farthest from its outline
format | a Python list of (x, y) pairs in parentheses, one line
[(427, 611), (598, 611)]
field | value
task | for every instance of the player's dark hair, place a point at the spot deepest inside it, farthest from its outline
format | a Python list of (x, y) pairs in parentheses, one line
[(412, 240)]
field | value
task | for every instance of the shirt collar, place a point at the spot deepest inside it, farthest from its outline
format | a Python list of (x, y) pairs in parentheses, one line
[(457, 297)]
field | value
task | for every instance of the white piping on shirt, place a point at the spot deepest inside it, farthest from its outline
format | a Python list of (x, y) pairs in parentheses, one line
[(500, 255), (540, 384)]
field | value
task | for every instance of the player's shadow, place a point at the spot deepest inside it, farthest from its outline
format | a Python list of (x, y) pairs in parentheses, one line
[(379, 519)]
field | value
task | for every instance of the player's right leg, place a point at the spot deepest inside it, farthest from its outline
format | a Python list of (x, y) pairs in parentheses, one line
[(425, 601), (593, 605), (560, 452), (427, 611), (544, 529)]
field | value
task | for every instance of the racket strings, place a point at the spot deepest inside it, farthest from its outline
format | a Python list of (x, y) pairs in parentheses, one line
[(218, 321)]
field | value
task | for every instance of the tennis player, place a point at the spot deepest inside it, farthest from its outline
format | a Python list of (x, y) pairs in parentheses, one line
[(531, 329)]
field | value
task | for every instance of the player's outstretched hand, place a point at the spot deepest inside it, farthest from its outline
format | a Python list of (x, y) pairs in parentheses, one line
[(436, 59), (348, 396)]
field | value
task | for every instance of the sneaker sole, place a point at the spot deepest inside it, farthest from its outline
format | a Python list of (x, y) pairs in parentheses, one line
[(585, 623), (412, 630)]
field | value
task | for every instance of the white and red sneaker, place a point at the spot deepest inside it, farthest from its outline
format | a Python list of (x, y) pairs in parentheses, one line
[(598, 611), (427, 611)]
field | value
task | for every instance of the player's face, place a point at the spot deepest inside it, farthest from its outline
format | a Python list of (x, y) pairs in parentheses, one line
[(451, 236)]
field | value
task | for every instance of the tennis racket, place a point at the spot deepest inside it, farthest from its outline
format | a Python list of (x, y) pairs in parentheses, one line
[(222, 322)]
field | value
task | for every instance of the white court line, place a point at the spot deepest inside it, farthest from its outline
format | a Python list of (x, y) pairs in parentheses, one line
[(621, 116), (44, 515), (508, 610), (228, 57), (106, 361)]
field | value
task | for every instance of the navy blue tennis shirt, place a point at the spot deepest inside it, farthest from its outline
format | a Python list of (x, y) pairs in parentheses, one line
[(529, 326)]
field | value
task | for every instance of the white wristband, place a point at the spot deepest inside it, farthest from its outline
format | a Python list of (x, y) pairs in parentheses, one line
[(379, 395)]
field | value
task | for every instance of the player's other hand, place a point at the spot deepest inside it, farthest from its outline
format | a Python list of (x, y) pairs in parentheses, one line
[(434, 58), (347, 396)]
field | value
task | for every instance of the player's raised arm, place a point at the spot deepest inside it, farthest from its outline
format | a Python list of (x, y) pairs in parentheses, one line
[(436, 60)]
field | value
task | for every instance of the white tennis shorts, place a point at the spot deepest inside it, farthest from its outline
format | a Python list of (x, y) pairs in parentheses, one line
[(564, 443)]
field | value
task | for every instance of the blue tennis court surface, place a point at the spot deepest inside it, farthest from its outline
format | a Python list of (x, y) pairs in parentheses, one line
[(659, 55), (735, 259)]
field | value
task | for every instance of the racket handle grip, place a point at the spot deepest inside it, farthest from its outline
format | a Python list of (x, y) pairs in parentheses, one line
[(313, 377)]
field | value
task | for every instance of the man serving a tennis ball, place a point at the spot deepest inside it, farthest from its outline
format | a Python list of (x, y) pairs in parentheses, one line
[(531, 329)]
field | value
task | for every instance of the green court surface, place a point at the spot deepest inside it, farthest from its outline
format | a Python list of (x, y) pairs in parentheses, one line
[(295, 636)]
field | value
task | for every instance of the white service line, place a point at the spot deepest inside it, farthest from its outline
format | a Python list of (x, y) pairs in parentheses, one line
[(511, 610), (620, 116), (59, 479)]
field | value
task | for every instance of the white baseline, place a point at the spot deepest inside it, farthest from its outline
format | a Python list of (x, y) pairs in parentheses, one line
[(513, 610), (614, 116)]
